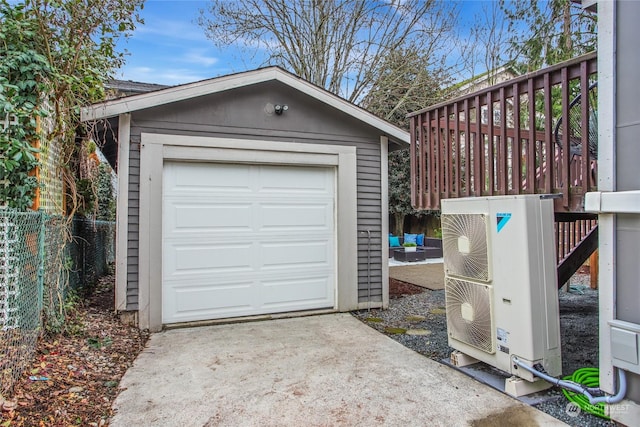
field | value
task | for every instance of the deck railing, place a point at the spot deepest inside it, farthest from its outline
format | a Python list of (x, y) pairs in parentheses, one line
[(534, 134)]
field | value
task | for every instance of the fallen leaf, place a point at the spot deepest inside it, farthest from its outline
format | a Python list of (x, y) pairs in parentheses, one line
[(9, 405)]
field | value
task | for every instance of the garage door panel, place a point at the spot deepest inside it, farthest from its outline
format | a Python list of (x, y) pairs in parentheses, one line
[(202, 302), (210, 217), (311, 181), (183, 259), (201, 177), (284, 293), (289, 216), (292, 255)]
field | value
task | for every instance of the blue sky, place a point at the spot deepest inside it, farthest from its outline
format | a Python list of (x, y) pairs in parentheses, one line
[(171, 48)]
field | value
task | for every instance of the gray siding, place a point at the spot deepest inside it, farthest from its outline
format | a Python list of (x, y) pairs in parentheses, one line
[(240, 114), (627, 158)]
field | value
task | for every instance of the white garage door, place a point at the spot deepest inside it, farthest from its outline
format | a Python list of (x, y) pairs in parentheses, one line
[(243, 240)]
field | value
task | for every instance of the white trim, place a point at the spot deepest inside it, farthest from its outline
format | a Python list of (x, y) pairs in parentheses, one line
[(627, 412), (347, 226), (243, 144), (122, 211), (206, 87), (384, 208), (156, 148), (242, 156), (613, 202), (606, 182), (149, 268)]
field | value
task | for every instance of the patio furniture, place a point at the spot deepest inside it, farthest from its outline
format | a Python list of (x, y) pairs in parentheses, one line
[(432, 246), (417, 255)]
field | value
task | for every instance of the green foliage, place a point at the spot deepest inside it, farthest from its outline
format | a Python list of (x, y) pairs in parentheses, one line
[(106, 201), (409, 80), (545, 33), (67, 321), (399, 182), (55, 56), (409, 245), (85, 198), (23, 72), (437, 233), (99, 343)]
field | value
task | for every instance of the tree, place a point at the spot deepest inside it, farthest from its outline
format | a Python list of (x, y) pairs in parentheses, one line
[(55, 56), (409, 81), (387, 57), (400, 189), (545, 33), (340, 45), (486, 49)]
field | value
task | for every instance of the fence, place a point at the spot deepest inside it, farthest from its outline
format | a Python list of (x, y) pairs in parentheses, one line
[(39, 262), (529, 135)]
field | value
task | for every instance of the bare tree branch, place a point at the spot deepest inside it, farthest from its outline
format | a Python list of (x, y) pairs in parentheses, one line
[(340, 45)]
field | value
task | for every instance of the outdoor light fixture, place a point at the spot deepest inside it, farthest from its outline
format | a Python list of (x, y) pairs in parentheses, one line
[(280, 108)]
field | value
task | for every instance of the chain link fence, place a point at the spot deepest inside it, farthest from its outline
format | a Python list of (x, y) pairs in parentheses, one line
[(93, 250), (39, 261), (21, 271)]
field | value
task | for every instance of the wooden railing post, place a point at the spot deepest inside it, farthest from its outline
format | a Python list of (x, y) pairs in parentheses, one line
[(515, 152)]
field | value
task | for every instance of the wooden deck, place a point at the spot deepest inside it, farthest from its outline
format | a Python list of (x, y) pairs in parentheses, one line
[(535, 134), (519, 137)]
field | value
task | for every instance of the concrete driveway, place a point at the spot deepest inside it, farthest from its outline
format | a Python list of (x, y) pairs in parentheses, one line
[(311, 371)]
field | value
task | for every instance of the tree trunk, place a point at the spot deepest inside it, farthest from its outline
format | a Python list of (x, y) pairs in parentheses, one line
[(399, 223)]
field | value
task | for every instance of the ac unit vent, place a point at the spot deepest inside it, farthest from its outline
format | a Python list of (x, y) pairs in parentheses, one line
[(470, 313), (464, 244)]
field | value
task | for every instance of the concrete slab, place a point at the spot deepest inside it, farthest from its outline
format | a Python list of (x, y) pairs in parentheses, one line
[(313, 371)]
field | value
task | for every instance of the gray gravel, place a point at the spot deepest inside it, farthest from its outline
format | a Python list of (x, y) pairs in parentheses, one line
[(578, 323)]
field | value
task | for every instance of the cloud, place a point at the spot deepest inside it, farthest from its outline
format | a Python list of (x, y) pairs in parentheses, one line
[(167, 76), (199, 57), (172, 29), (171, 20)]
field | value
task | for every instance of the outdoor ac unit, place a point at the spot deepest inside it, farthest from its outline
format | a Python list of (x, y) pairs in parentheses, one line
[(501, 284)]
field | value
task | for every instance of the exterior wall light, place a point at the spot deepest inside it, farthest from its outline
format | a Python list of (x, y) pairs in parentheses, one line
[(280, 108)]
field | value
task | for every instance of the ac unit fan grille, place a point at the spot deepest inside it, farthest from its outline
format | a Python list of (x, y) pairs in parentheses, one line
[(470, 313), (465, 246)]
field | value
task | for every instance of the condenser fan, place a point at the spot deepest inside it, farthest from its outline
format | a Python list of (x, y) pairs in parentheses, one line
[(464, 244), (470, 313)]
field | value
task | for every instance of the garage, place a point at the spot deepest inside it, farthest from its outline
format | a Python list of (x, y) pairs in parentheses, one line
[(255, 195), (241, 240)]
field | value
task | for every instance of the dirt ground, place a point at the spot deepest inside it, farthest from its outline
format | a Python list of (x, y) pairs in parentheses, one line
[(75, 375), (399, 289)]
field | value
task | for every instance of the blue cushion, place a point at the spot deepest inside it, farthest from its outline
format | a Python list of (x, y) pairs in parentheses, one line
[(410, 238), (420, 240), (394, 241)]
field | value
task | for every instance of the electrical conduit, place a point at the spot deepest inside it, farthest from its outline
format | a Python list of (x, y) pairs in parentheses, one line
[(578, 388)]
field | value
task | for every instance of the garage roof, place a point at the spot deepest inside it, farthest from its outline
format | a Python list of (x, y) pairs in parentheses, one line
[(155, 98)]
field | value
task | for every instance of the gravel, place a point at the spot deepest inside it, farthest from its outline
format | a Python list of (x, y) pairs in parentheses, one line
[(424, 313)]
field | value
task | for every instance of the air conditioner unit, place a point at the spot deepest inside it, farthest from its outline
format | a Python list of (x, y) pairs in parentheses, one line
[(501, 285)]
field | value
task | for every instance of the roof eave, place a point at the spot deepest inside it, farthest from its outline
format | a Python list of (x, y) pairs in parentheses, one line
[(129, 104)]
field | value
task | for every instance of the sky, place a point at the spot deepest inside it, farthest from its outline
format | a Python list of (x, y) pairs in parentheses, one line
[(171, 48)]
